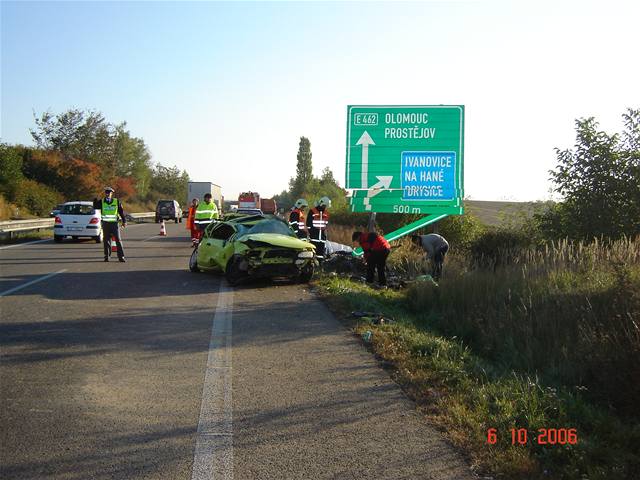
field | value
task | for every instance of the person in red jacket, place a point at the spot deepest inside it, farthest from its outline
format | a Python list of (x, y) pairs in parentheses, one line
[(376, 250)]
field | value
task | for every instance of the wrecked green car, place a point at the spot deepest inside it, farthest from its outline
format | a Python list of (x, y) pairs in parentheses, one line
[(253, 247)]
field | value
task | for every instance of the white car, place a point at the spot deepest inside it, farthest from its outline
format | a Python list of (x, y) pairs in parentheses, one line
[(78, 219)]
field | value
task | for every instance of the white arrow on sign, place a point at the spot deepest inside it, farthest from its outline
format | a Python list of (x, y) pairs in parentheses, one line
[(365, 141), (383, 182)]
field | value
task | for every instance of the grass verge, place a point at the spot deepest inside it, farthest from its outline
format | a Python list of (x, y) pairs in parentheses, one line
[(27, 236), (467, 395)]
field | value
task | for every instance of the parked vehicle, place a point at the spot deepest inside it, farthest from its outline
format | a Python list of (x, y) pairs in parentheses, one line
[(56, 210), (268, 205), (168, 210), (77, 219), (249, 200), (249, 211), (254, 247), (198, 189)]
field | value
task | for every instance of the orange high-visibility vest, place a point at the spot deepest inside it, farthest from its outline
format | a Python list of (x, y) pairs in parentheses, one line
[(320, 219)]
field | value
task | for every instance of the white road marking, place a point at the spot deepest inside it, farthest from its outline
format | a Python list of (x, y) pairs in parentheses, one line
[(40, 279), (213, 457), (151, 238), (25, 243)]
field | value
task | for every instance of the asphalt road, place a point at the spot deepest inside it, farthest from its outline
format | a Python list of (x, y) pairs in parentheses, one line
[(145, 370)]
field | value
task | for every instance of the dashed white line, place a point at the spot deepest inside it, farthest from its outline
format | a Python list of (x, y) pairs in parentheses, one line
[(213, 457), (24, 285)]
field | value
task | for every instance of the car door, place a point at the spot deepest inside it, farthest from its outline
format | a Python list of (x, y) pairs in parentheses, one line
[(214, 248)]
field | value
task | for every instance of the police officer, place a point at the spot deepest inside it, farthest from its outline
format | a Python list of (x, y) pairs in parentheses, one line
[(317, 223), (376, 250), (206, 212), (435, 247), (297, 220), (111, 209)]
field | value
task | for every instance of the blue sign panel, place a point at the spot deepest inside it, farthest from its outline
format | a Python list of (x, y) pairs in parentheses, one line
[(428, 176)]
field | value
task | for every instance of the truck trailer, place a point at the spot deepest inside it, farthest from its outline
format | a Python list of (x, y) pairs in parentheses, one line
[(198, 189)]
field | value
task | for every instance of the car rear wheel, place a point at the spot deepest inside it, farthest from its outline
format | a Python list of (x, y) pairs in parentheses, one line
[(74, 237), (305, 274), (57, 238), (176, 219), (234, 274), (193, 261), (98, 239)]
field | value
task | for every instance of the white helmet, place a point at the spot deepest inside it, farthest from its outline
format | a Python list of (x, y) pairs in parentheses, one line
[(301, 202), (324, 202)]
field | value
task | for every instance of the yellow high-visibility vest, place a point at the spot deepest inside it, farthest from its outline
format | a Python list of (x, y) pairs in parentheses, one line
[(110, 210)]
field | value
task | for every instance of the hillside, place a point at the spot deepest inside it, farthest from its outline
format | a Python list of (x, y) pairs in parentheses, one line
[(494, 213)]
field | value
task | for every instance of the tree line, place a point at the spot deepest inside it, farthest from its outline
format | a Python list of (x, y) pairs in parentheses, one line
[(76, 154), (311, 188)]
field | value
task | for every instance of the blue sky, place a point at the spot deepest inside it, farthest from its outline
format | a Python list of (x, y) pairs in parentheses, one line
[(225, 90)]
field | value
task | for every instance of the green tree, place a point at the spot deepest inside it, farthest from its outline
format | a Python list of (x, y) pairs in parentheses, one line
[(10, 170), (132, 160), (600, 182), (87, 136), (170, 182), (304, 168), (327, 177), (76, 134)]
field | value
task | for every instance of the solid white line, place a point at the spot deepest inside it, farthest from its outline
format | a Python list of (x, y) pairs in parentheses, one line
[(213, 457), (20, 287), (26, 243)]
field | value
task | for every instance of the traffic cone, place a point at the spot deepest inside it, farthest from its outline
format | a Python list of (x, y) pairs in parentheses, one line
[(114, 247), (163, 229)]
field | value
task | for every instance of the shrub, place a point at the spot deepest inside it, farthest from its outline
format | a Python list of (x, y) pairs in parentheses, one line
[(460, 230), (10, 170), (501, 246), (36, 197)]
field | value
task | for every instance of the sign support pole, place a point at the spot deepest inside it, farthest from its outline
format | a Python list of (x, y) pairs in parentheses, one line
[(372, 222)]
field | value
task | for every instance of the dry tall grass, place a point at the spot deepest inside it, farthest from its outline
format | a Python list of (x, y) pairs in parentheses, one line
[(9, 210), (340, 233), (568, 311)]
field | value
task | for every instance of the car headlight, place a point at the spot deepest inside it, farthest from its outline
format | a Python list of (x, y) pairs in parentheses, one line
[(306, 254)]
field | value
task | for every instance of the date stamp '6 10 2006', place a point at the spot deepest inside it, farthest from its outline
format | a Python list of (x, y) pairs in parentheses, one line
[(544, 436)]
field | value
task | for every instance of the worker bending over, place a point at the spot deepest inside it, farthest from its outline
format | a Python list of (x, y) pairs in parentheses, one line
[(435, 247)]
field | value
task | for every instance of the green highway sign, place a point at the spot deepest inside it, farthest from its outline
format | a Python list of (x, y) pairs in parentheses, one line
[(391, 202), (405, 159)]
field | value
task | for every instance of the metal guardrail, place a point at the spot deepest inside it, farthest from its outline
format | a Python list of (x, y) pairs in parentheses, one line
[(9, 227), (140, 216)]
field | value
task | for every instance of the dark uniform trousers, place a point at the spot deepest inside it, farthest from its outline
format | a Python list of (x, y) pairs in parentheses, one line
[(110, 229), (318, 237), (377, 260), (438, 261)]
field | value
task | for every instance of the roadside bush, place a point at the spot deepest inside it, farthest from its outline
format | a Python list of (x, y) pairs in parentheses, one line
[(9, 210), (10, 170), (501, 246), (37, 198), (461, 230)]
